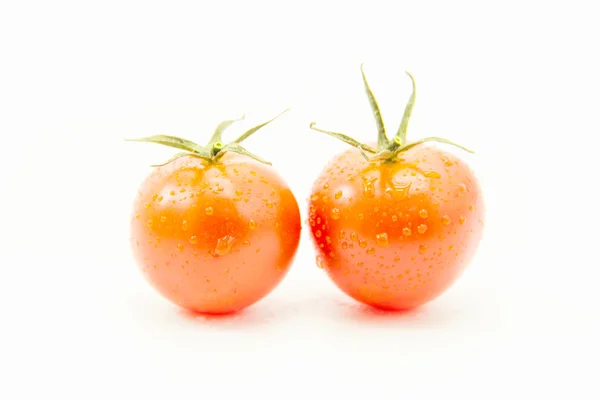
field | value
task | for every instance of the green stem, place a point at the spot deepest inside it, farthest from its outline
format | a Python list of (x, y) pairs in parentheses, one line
[(382, 139), (344, 138), (250, 131), (214, 150), (432, 139), (401, 134), (388, 151), (218, 134)]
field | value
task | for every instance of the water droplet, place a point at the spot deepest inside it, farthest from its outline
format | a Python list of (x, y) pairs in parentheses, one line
[(180, 247), (344, 245), (223, 246), (399, 277), (446, 161), (163, 219), (172, 193), (446, 220), (335, 213), (193, 239), (239, 193), (154, 196), (326, 185), (368, 186), (147, 205), (184, 225), (423, 213), (150, 223), (422, 249), (269, 204), (394, 218), (462, 219), (354, 236), (160, 198), (371, 251), (399, 190), (462, 188), (422, 228), (361, 216), (406, 231), (432, 174), (382, 239), (314, 197), (342, 234), (362, 243), (251, 224), (318, 233), (327, 239), (320, 263), (246, 243), (338, 195)]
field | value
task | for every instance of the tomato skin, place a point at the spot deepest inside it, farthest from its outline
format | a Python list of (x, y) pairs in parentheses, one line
[(396, 235), (215, 238)]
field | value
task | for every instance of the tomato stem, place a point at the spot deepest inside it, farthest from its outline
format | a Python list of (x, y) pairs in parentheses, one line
[(382, 140), (215, 149), (400, 137), (387, 150)]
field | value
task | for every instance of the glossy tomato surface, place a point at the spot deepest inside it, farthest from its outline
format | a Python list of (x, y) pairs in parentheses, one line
[(396, 235), (215, 238)]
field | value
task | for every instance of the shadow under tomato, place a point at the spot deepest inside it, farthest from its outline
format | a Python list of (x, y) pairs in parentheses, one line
[(432, 315), (255, 315)]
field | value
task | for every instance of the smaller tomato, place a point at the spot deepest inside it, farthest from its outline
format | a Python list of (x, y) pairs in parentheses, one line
[(396, 228), (214, 231)]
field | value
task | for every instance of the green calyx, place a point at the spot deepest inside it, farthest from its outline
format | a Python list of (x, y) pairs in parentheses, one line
[(214, 150), (387, 149)]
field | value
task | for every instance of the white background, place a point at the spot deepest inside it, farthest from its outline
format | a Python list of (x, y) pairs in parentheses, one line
[(516, 80)]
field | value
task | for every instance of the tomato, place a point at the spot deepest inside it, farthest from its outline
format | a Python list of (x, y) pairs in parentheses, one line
[(214, 235), (396, 228)]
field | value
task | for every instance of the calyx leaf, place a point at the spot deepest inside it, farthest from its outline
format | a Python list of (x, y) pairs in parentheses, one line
[(214, 150), (387, 150)]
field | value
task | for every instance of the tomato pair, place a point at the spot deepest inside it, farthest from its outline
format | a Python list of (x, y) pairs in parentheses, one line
[(215, 228)]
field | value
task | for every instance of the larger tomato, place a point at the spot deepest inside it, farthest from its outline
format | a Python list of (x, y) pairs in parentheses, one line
[(396, 223), (213, 231)]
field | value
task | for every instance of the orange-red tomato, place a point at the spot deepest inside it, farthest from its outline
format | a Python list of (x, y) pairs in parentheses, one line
[(215, 237), (396, 235)]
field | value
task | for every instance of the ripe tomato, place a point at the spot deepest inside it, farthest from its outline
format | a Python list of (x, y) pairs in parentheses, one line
[(214, 235), (396, 230)]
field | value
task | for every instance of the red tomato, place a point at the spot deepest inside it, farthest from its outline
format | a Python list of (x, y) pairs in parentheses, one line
[(396, 231), (215, 236)]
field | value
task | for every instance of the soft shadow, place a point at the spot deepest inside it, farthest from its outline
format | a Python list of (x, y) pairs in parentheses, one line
[(256, 315), (365, 313), (431, 315)]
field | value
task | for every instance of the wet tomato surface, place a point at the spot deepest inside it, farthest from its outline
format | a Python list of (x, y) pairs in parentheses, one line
[(215, 237), (395, 235)]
